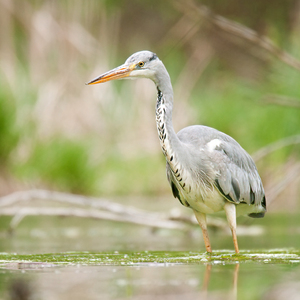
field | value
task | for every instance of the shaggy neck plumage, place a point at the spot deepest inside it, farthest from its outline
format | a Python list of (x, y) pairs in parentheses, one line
[(170, 144)]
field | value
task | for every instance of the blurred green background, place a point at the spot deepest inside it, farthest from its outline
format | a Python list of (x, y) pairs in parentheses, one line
[(57, 133)]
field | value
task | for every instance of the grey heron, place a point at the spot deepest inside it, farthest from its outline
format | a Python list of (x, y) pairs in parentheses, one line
[(208, 170)]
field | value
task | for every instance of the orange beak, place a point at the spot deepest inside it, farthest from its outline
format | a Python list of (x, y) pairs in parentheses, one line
[(117, 73)]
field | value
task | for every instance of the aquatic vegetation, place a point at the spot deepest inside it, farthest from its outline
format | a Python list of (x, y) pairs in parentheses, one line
[(149, 258)]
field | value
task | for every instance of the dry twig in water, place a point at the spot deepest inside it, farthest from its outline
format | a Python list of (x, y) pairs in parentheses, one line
[(112, 211), (147, 220)]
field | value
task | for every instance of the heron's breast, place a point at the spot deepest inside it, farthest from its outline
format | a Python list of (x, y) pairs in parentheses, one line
[(203, 199)]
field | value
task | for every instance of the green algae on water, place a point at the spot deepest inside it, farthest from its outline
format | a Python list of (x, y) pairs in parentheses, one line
[(149, 258)]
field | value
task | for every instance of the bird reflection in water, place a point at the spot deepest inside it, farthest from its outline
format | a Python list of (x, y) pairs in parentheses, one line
[(232, 293)]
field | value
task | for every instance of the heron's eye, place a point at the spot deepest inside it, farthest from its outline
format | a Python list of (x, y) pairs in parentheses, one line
[(141, 64)]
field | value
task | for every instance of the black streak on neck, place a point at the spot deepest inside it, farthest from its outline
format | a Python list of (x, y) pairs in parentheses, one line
[(159, 97)]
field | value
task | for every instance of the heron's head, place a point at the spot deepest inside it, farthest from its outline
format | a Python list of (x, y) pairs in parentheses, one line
[(143, 64)]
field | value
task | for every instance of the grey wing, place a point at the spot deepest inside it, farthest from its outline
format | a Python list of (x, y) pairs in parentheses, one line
[(235, 173), (237, 177)]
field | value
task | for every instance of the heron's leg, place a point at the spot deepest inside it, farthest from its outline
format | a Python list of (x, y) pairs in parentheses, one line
[(201, 218), (231, 218)]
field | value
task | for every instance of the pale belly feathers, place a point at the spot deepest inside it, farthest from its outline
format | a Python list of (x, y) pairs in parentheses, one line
[(206, 201), (211, 201)]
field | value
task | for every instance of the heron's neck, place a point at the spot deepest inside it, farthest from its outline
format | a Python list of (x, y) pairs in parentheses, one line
[(170, 144)]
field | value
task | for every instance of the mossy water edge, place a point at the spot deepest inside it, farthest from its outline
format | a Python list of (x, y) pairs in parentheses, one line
[(149, 258)]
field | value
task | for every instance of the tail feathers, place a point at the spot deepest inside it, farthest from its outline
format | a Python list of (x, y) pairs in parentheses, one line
[(257, 215), (262, 213)]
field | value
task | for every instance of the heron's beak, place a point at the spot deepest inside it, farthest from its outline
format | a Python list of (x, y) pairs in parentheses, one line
[(117, 73)]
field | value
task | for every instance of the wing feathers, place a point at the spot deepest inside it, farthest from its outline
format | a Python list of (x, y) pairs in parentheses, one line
[(237, 177)]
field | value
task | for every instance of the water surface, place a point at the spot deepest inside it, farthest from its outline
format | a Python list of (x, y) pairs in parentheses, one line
[(59, 258)]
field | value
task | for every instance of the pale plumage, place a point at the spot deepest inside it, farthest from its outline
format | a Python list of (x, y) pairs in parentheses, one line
[(208, 170)]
